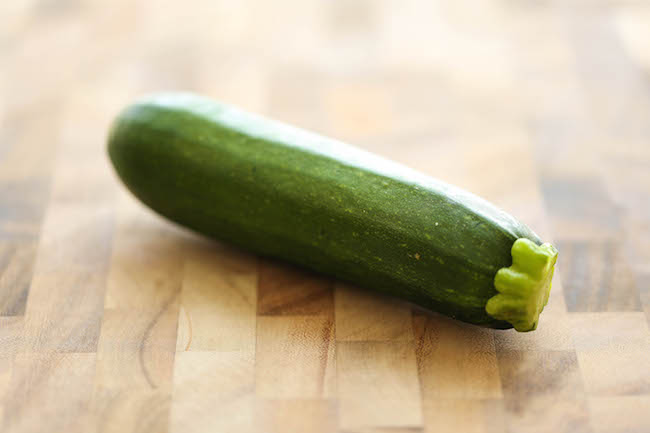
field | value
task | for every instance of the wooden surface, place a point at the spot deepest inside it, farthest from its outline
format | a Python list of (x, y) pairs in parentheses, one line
[(112, 320)]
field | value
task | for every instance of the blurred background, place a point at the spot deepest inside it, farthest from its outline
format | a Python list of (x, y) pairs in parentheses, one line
[(542, 107)]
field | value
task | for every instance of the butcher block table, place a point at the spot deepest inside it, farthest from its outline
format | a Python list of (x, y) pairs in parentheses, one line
[(115, 320)]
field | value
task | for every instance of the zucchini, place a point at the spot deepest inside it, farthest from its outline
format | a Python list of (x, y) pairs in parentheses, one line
[(283, 192)]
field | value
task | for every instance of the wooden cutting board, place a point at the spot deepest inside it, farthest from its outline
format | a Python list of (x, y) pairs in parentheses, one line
[(113, 320)]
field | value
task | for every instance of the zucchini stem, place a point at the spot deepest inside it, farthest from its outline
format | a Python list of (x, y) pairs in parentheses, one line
[(525, 286)]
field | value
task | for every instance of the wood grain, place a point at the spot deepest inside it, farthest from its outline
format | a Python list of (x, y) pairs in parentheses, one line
[(282, 415), (16, 267), (114, 320), (214, 392), (450, 415), (455, 361), (50, 391), (385, 373), (286, 290), (294, 357), (357, 311), (218, 301), (612, 350)]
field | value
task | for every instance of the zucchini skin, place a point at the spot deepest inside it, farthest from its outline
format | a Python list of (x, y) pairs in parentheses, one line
[(282, 192)]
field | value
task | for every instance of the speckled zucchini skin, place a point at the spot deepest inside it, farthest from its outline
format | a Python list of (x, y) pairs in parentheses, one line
[(282, 192)]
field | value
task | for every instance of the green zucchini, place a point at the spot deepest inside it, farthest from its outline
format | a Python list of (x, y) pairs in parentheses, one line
[(282, 192)]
